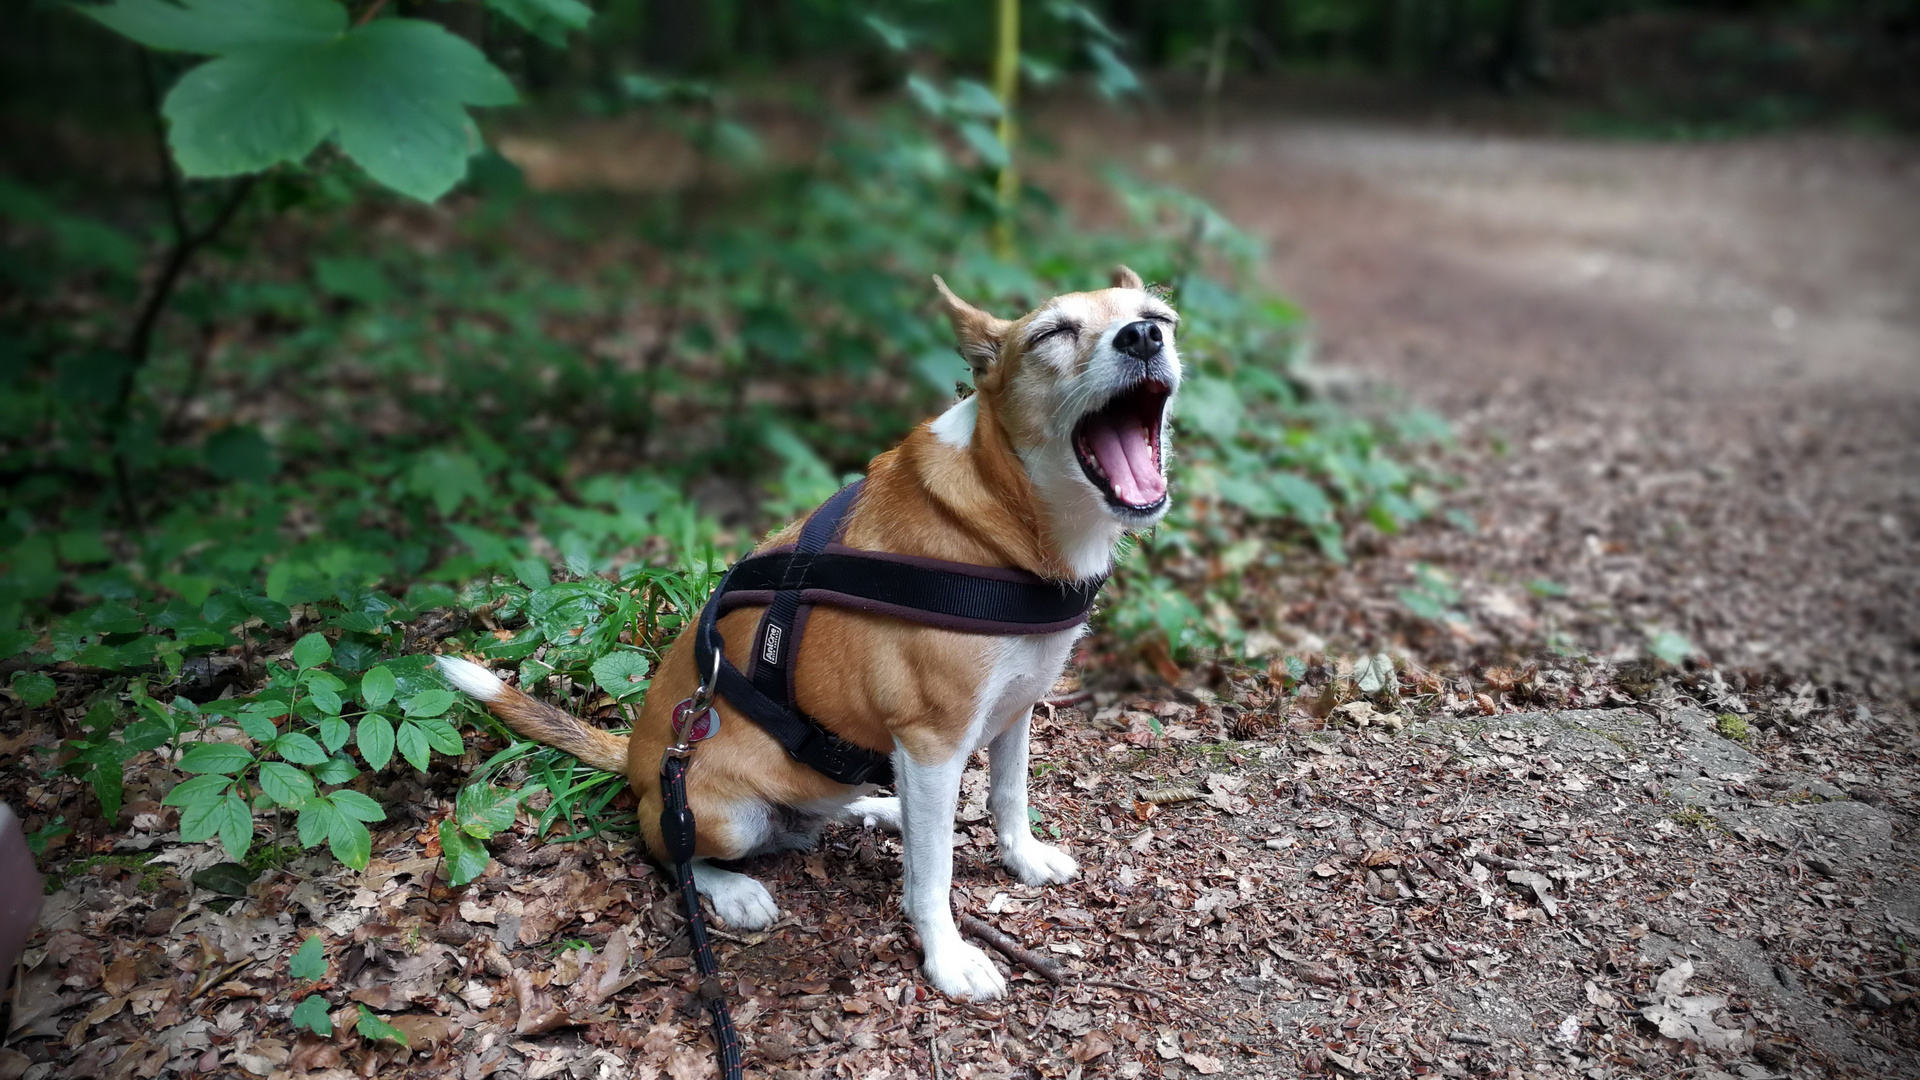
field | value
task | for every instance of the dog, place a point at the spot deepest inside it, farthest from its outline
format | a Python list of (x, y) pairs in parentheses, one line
[(1060, 451)]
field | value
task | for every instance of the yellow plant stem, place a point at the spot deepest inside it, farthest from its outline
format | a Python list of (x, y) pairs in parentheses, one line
[(1006, 83)]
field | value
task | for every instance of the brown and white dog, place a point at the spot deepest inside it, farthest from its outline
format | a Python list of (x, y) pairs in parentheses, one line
[(1062, 449)]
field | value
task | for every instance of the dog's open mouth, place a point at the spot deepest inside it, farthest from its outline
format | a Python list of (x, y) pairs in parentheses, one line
[(1118, 446)]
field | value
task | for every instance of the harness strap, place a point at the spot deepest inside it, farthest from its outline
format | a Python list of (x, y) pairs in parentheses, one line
[(788, 581)]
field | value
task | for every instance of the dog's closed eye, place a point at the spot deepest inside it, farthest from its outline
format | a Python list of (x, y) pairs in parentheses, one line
[(1054, 331)]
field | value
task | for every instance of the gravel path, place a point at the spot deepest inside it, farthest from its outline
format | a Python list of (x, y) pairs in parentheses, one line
[(1701, 363)]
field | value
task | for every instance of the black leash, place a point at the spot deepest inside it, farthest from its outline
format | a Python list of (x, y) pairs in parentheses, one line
[(695, 719)]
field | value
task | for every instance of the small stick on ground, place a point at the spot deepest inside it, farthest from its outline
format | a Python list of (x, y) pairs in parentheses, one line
[(1164, 999), (1368, 814), (1012, 949)]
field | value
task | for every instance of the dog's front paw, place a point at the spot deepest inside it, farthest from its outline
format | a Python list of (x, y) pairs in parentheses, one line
[(1035, 863), (963, 972), (742, 903)]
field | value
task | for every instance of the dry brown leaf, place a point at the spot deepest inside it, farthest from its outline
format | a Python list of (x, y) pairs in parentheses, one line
[(1090, 1046), (424, 1032), (538, 1012)]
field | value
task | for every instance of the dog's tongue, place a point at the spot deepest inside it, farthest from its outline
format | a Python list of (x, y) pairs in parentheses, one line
[(1123, 453)]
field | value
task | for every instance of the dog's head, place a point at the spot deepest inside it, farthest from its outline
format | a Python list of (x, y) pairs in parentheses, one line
[(1082, 387)]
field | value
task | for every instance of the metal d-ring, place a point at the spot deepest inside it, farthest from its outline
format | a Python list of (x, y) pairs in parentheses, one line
[(700, 702)]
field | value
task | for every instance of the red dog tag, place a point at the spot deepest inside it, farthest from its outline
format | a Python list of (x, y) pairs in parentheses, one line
[(691, 727)]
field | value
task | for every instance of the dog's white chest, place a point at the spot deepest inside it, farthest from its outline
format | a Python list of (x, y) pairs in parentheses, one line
[(1022, 673)]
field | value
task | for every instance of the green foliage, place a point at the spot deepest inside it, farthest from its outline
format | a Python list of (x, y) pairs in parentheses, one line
[(454, 429), (309, 960), (1670, 646), (372, 1027), (392, 93), (311, 1015)]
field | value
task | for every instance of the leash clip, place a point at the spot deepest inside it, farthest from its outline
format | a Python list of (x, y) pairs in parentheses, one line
[(695, 718)]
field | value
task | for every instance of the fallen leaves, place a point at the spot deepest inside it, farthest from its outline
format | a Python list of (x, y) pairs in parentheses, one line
[(1690, 1018)]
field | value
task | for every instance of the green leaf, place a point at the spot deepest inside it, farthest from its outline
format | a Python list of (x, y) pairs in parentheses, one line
[(309, 960), (390, 92), (35, 688), (327, 698), (357, 806), (429, 703), (109, 788), (226, 878), (413, 745), (311, 1014), (350, 841), (372, 1027), (338, 769), (258, 727), (223, 758), (441, 736), (197, 790), (483, 810), (315, 823), (240, 452), (377, 687), (15, 642), (299, 748), (268, 610), (312, 650), (449, 478), (200, 820), (466, 856), (1671, 646), (334, 732), (993, 152), (235, 822), (548, 20), (376, 740), (286, 785), (622, 674), (220, 26)]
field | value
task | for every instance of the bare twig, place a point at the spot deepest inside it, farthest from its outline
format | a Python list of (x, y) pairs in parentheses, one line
[(1161, 796), (1012, 949), (1368, 814), (219, 977), (933, 1050), (1157, 995), (1498, 862), (1892, 974), (1468, 1038)]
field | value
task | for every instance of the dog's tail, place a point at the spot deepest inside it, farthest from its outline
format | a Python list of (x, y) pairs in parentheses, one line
[(536, 719)]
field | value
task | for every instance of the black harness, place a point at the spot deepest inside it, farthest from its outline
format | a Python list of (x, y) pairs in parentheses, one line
[(791, 580)]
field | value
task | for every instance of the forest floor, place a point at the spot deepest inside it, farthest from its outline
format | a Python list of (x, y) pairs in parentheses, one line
[(1686, 379)]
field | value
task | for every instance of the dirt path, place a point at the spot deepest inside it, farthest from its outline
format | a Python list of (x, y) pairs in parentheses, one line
[(1702, 361)]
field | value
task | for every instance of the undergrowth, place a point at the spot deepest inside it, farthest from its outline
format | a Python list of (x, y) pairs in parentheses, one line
[(535, 427)]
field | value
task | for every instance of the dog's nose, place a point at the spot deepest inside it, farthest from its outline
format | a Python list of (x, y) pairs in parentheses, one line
[(1141, 340)]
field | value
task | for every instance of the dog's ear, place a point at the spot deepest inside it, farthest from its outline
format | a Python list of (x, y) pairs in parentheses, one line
[(977, 334), (1125, 278)]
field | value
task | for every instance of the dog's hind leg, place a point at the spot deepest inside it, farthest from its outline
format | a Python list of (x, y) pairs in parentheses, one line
[(928, 796), (1032, 861), (740, 901)]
